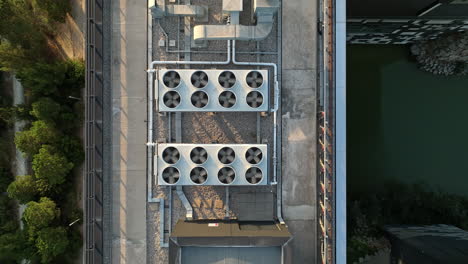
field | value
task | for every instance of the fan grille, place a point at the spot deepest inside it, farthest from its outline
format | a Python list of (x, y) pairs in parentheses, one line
[(254, 79), (171, 79), (254, 99), (198, 175), (171, 99), (227, 79), (253, 155), (199, 99), (226, 155), (254, 175), (199, 79), (198, 155), (227, 99), (171, 175), (171, 155), (226, 175)]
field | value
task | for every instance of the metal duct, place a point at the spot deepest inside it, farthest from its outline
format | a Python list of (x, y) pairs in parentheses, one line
[(264, 13), (200, 12)]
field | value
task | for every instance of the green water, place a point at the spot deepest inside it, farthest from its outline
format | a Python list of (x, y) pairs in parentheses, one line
[(403, 123)]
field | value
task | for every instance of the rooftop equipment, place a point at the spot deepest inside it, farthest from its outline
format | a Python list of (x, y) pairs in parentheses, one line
[(213, 90), (212, 164)]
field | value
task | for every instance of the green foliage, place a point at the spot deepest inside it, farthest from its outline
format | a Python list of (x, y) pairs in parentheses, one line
[(7, 115), (8, 220), (72, 148), (399, 204), (23, 189), (15, 247), (56, 10), (41, 132), (50, 168), (39, 215), (45, 109), (43, 79), (51, 242)]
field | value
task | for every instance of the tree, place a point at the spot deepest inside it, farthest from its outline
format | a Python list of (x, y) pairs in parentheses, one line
[(72, 148), (43, 79), (56, 10), (50, 168), (51, 242), (23, 189), (39, 215), (41, 132), (45, 109), (16, 247)]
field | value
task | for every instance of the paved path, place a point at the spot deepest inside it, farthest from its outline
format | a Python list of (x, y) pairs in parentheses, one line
[(299, 46), (129, 131)]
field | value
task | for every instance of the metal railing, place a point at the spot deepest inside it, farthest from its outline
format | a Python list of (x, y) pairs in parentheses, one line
[(93, 135), (326, 131)]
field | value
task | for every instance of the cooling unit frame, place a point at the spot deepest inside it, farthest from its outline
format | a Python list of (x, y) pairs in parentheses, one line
[(185, 89), (212, 165)]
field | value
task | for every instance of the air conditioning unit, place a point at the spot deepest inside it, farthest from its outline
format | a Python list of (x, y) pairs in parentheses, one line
[(213, 90), (211, 164)]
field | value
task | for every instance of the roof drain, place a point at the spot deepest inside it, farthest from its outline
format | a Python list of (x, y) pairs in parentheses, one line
[(264, 12)]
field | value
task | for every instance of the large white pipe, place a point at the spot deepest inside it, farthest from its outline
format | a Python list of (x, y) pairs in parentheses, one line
[(274, 110)]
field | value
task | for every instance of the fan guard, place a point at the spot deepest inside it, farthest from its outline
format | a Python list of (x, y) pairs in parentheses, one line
[(226, 175), (253, 155), (254, 79), (171, 175), (171, 79), (171, 155), (226, 155), (227, 79), (198, 175), (254, 99), (254, 175), (198, 155), (199, 99), (171, 99), (199, 79), (227, 99)]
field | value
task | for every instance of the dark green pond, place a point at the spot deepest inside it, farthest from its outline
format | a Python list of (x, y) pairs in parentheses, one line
[(403, 123)]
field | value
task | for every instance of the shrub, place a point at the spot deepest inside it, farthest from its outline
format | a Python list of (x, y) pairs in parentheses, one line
[(23, 189), (50, 168), (30, 141), (39, 215)]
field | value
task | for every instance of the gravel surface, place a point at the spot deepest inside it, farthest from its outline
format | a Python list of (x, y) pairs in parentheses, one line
[(208, 202)]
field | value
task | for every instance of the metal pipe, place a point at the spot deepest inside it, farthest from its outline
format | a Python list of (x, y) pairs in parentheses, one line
[(276, 100), (274, 110), (227, 61)]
